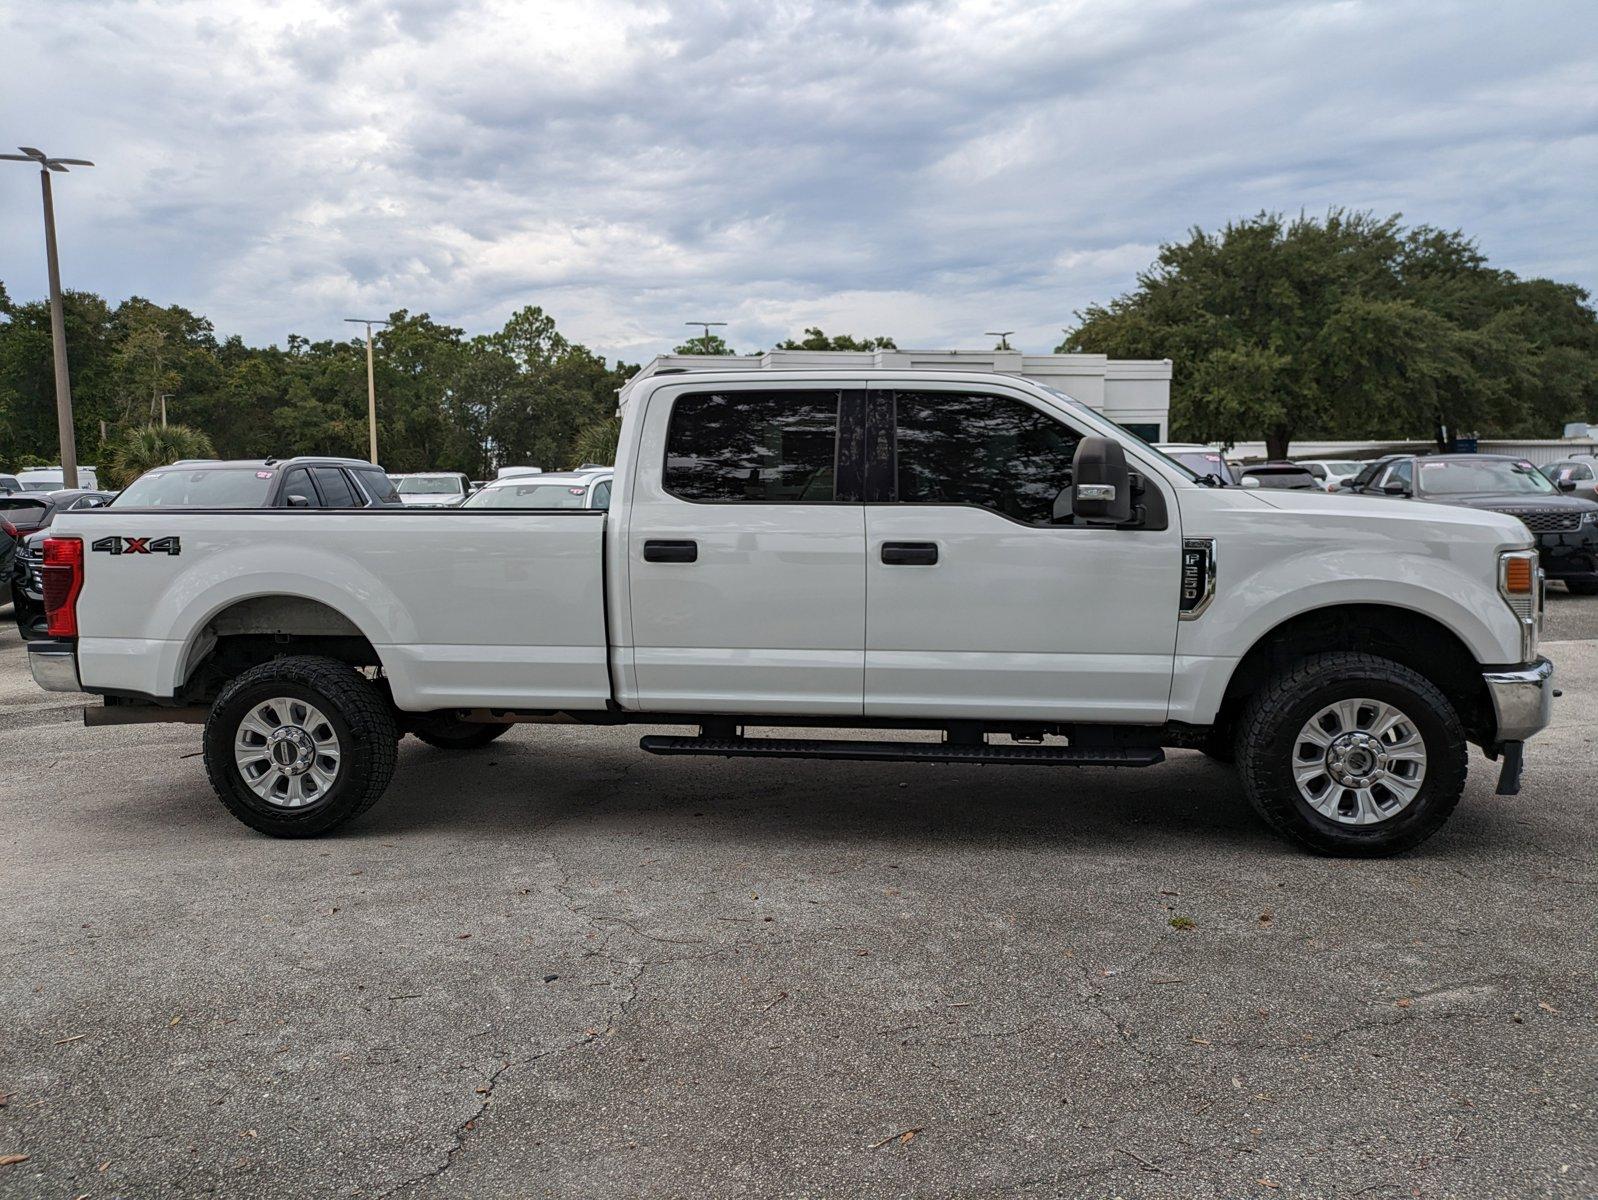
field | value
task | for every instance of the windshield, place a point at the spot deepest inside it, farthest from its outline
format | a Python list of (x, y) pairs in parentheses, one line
[(1456, 477), (1268, 478), (42, 485), (1344, 469), (429, 485), (531, 495), (215, 487), (1203, 462)]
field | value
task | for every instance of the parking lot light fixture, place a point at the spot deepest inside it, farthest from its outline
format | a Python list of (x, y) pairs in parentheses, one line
[(58, 326), (371, 381)]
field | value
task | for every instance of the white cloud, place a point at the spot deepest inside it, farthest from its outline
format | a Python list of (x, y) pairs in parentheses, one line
[(925, 170)]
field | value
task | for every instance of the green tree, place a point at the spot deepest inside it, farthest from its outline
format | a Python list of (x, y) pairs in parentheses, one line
[(707, 343), (144, 447), (1350, 326), (815, 339)]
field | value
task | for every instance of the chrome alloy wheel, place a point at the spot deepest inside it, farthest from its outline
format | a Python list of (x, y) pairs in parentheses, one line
[(287, 752), (1359, 761)]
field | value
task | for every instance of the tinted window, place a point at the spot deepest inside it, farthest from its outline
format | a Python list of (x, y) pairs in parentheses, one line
[(990, 451), (336, 490), (601, 498), (379, 486), (216, 487), (1401, 472), (298, 483), (753, 447)]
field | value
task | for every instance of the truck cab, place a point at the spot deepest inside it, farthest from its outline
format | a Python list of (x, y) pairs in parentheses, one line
[(973, 554)]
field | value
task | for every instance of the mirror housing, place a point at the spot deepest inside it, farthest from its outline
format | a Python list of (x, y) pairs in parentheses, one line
[(296, 500), (1250, 481), (1395, 489), (1565, 484), (1101, 483)]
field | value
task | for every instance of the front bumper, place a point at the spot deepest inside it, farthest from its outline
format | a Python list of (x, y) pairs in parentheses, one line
[(1572, 554), (1523, 699), (54, 666)]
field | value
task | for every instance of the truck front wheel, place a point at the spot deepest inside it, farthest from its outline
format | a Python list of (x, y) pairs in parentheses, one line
[(299, 745), (1352, 754)]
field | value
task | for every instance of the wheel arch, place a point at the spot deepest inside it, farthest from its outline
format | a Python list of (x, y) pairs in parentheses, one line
[(245, 631), (1413, 639)]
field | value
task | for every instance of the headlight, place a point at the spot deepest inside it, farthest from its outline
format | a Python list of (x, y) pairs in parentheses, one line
[(1590, 518), (1520, 583)]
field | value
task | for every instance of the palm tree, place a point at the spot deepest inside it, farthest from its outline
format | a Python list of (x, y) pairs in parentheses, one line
[(596, 443), (145, 447)]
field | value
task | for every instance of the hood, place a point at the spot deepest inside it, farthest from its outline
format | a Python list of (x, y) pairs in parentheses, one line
[(1515, 501), (1345, 504)]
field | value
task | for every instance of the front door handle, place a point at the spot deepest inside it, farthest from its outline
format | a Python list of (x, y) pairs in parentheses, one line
[(910, 554), (664, 551)]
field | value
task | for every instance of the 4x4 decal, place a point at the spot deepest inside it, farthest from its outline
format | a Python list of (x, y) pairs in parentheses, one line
[(116, 544)]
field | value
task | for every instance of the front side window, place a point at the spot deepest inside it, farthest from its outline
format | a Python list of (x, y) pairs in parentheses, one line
[(298, 483), (335, 488), (991, 451), (753, 447), (1401, 473)]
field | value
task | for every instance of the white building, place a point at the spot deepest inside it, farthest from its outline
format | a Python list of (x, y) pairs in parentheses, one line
[(1135, 393)]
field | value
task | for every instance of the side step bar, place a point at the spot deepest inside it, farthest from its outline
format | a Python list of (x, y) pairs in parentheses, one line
[(939, 752)]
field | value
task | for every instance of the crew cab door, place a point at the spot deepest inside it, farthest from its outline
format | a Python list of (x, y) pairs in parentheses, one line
[(746, 551), (978, 602)]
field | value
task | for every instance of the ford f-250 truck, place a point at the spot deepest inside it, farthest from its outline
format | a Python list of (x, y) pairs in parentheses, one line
[(834, 551)]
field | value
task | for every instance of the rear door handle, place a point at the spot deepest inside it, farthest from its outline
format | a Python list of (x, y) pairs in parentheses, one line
[(665, 551), (910, 554)]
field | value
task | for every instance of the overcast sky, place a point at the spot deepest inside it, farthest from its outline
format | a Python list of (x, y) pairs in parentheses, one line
[(923, 170)]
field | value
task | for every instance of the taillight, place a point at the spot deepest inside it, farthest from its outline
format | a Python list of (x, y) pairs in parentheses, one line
[(11, 530), (61, 574)]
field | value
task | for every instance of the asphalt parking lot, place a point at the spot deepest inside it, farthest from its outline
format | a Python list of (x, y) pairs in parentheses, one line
[(560, 967)]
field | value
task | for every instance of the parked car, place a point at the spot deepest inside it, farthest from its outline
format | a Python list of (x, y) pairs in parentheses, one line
[(1565, 525), (25, 519), (432, 489), (1201, 460), (1281, 474), (1330, 473), (303, 482), (53, 479), (935, 550), (9, 484), (1580, 473), (552, 489)]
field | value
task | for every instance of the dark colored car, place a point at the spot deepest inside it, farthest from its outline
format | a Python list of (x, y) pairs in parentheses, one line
[(263, 483), (24, 518), (1565, 525), (1287, 475)]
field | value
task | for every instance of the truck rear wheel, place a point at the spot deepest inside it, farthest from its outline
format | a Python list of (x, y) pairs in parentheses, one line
[(297, 746), (1352, 754)]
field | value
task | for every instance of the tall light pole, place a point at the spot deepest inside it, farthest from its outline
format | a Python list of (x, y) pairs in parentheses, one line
[(706, 326), (58, 324), (1002, 334), (164, 397), (371, 381)]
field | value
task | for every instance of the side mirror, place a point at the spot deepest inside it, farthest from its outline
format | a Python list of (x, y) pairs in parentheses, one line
[(1395, 489), (1566, 484), (296, 500), (1250, 481), (1101, 483)]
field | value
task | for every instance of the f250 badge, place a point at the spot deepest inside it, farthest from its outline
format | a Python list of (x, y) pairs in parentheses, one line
[(116, 544)]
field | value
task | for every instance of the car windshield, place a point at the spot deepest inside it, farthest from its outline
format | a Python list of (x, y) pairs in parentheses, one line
[(42, 485), (1342, 469), (1456, 477), (214, 487), (429, 485), (1271, 477), (1202, 462), (531, 495)]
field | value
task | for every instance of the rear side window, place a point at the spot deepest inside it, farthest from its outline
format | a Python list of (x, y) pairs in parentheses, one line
[(379, 486), (991, 451), (336, 490), (753, 447)]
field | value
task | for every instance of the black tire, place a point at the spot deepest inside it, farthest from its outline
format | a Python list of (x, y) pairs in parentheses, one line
[(1582, 587), (360, 721), (1268, 737), (459, 735)]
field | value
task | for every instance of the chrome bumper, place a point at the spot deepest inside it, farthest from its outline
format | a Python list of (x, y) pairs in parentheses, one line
[(54, 666), (1523, 699)]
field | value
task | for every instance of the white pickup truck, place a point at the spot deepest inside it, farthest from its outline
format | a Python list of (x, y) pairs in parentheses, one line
[(812, 551)]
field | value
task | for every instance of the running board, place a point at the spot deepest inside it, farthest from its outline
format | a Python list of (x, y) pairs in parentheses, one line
[(939, 752)]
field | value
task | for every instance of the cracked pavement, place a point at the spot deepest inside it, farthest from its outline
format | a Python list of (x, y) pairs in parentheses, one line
[(559, 967)]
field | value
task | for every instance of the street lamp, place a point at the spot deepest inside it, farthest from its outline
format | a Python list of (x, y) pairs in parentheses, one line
[(371, 383), (706, 326), (58, 325), (1002, 334)]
